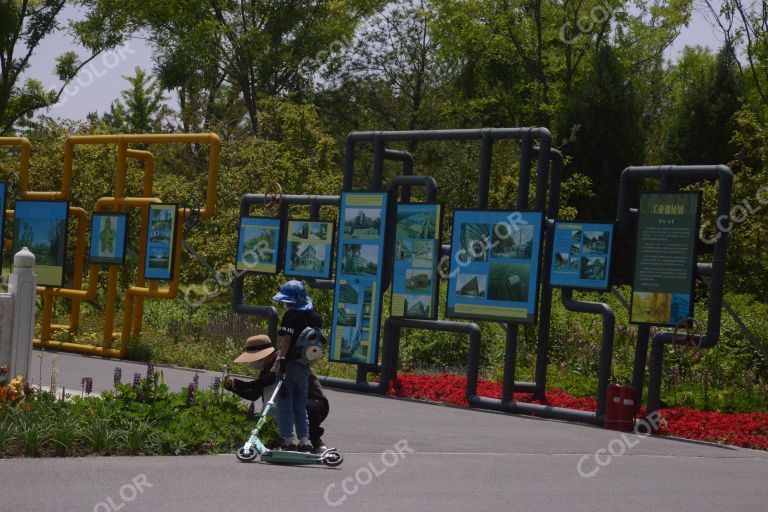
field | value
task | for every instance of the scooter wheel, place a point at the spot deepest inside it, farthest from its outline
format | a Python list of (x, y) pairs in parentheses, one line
[(248, 456), (332, 458)]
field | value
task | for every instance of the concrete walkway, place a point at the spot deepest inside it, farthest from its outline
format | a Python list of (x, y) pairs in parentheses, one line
[(449, 459)]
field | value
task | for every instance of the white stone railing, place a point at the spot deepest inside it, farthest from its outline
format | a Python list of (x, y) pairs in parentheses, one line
[(17, 317)]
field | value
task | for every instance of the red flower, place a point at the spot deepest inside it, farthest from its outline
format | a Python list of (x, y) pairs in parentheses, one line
[(749, 430)]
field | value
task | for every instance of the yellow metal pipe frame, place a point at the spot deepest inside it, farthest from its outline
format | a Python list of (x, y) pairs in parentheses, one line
[(133, 306), (139, 292), (25, 149), (149, 168), (123, 140)]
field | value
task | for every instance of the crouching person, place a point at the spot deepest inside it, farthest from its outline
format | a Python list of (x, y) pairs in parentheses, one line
[(261, 355)]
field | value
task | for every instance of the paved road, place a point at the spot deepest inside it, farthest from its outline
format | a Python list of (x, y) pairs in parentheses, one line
[(462, 460)]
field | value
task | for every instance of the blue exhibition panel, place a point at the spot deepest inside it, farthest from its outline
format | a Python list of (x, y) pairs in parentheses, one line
[(109, 233), (161, 242), (495, 265), (258, 245), (417, 244), (309, 249), (359, 267), (581, 255)]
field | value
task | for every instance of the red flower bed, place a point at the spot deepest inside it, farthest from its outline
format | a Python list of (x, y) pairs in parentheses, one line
[(749, 430)]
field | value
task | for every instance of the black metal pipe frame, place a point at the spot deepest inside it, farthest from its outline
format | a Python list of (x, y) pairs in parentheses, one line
[(315, 202), (408, 163), (545, 302), (715, 270), (606, 345), (246, 202), (487, 136), (390, 341), (393, 326)]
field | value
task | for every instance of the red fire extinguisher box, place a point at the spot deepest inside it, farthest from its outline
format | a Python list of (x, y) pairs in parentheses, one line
[(620, 407)]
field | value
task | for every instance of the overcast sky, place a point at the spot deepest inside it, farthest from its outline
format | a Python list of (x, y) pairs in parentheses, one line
[(100, 83)]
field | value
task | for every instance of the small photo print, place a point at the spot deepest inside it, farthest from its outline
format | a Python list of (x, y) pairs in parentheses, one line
[(159, 257), (418, 306), (651, 307), (596, 242), (509, 282), (318, 231), (418, 281), (512, 241), (161, 225), (576, 236), (300, 230), (593, 268), (347, 315), (350, 293), (474, 241), (362, 223), (423, 253), (416, 225), (471, 285), (403, 250), (258, 244), (307, 257), (565, 263), (359, 259)]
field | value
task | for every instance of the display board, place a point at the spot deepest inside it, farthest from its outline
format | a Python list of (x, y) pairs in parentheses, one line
[(309, 249), (581, 256), (258, 245), (161, 242), (3, 199), (109, 234), (495, 260), (665, 258), (41, 226), (359, 266), (414, 280)]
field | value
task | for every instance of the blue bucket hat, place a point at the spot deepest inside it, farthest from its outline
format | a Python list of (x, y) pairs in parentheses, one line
[(293, 292)]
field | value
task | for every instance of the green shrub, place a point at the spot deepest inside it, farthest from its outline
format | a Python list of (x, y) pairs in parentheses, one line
[(148, 419)]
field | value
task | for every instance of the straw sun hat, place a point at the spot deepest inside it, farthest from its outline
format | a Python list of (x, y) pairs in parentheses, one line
[(257, 348)]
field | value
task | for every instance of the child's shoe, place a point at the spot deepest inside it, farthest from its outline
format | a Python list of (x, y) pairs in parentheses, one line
[(304, 445)]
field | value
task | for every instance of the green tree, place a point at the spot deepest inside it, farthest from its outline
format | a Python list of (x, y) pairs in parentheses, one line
[(392, 76), (707, 92), (602, 117), (142, 107), (24, 24), (261, 48)]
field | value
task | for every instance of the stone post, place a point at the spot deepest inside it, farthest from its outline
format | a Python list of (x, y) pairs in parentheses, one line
[(22, 286)]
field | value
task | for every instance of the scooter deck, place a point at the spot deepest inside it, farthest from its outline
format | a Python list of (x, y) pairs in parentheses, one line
[(289, 457)]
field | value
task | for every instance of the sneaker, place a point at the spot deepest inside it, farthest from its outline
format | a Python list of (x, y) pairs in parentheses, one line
[(288, 447), (319, 446), (306, 448)]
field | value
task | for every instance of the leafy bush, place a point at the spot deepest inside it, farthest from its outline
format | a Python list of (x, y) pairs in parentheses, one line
[(145, 419)]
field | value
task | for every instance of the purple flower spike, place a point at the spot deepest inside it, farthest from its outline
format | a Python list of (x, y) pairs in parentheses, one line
[(118, 375), (136, 379), (150, 371), (196, 378), (191, 394)]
